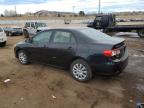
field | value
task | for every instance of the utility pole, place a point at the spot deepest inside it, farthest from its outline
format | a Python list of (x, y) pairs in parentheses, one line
[(73, 10), (99, 7), (15, 11)]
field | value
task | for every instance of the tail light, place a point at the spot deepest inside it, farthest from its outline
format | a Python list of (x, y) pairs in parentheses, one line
[(111, 53)]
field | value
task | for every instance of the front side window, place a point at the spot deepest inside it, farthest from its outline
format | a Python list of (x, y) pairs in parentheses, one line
[(27, 25), (32, 25), (42, 37), (62, 37), (41, 24)]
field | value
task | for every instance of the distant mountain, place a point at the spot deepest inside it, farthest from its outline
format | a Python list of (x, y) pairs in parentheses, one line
[(52, 13)]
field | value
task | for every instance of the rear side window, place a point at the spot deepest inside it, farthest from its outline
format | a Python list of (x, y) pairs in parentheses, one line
[(62, 37), (73, 40)]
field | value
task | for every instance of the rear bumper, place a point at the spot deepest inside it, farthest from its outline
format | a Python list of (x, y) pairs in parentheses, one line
[(3, 39), (110, 67), (118, 67), (2, 43)]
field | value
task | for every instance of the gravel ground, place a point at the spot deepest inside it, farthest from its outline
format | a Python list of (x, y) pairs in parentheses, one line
[(42, 86)]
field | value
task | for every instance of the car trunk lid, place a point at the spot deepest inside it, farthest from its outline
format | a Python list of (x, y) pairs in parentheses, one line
[(121, 47)]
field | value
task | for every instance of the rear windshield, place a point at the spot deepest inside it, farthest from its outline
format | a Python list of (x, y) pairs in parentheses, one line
[(95, 34)]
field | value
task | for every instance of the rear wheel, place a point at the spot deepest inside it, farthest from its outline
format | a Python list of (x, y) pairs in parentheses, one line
[(141, 33), (22, 57), (80, 70)]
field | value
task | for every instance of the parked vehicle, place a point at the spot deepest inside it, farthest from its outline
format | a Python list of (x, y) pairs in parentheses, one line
[(3, 38), (67, 21), (108, 24), (31, 28), (84, 51), (13, 31)]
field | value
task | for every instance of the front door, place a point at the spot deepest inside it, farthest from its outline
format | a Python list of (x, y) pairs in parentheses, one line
[(32, 29), (39, 48), (62, 48)]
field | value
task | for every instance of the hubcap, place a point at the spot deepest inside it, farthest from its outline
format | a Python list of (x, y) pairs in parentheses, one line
[(22, 57), (79, 71)]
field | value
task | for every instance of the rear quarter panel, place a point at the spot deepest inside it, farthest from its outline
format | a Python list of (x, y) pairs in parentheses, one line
[(95, 56)]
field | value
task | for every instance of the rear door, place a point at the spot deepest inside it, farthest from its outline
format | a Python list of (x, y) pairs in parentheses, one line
[(28, 27), (32, 28), (62, 48), (39, 48)]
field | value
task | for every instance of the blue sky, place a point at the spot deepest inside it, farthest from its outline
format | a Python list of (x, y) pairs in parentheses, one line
[(66, 5)]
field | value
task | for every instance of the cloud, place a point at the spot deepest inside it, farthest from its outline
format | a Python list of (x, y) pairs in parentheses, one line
[(130, 5), (67, 5), (12, 2)]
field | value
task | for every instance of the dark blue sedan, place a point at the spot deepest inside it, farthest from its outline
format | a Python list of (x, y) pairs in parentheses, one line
[(84, 51)]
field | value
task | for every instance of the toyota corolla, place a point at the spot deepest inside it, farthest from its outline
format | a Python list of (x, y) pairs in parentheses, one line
[(84, 51)]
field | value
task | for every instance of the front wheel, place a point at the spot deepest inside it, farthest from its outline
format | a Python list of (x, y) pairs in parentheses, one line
[(4, 44), (141, 33), (9, 34), (80, 70), (22, 56)]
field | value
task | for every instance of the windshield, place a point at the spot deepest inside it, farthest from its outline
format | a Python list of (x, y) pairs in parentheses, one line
[(95, 34), (1, 30), (41, 24)]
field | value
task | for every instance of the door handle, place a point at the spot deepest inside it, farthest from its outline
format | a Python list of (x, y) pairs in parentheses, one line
[(69, 47), (45, 46)]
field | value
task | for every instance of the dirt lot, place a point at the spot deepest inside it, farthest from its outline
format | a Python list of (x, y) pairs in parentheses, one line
[(41, 86)]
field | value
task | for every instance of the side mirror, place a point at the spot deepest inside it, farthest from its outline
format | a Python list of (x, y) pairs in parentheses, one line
[(29, 40)]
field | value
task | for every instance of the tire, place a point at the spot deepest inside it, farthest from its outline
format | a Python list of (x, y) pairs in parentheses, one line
[(22, 57), (80, 70), (4, 44), (141, 33), (26, 34), (9, 34)]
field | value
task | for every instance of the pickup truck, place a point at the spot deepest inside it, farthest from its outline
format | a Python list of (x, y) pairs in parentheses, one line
[(31, 28), (107, 23)]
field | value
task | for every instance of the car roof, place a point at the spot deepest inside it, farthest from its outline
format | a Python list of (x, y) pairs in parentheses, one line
[(70, 28), (35, 22), (82, 37)]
